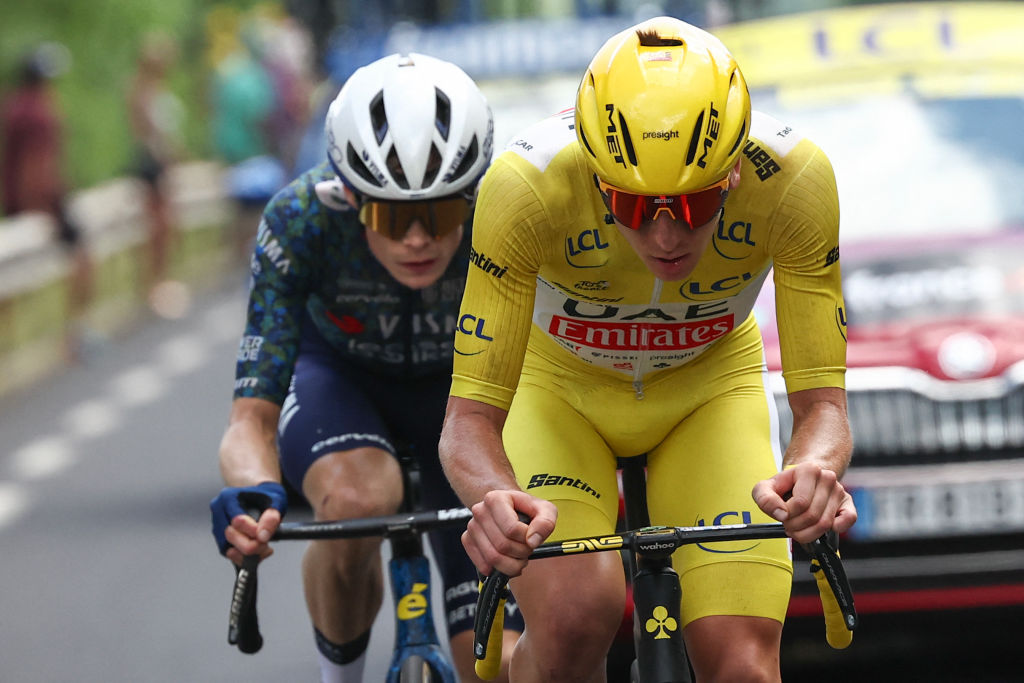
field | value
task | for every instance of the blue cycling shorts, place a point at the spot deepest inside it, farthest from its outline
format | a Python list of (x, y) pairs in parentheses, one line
[(334, 405)]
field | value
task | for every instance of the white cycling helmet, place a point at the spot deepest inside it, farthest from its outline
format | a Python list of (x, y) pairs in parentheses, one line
[(410, 127)]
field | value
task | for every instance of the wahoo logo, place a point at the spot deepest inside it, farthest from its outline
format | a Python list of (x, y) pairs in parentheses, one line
[(484, 263), (545, 479)]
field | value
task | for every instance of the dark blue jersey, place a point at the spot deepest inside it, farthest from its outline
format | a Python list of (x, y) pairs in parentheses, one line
[(311, 257)]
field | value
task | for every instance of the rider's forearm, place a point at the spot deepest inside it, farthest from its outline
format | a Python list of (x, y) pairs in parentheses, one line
[(821, 430), (248, 449), (471, 451)]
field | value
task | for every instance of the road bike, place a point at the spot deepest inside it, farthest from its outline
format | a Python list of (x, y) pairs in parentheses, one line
[(658, 642), (417, 656)]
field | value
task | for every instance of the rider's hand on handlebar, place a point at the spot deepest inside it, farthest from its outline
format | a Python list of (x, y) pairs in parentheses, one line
[(237, 534), (808, 499), (495, 538)]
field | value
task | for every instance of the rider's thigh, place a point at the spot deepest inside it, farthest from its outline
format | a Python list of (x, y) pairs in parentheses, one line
[(574, 599), (572, 607), (734, 648), (362, 482)]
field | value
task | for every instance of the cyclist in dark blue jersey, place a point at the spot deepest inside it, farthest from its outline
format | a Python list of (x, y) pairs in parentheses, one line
[(357, 278)]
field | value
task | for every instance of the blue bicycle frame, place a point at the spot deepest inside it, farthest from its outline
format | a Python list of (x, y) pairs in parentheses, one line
[(415, 635)]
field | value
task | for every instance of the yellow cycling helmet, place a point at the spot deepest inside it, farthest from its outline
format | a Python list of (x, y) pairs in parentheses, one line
[(662, 109)]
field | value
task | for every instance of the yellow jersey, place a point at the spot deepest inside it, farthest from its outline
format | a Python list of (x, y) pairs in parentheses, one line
[(549, 269)]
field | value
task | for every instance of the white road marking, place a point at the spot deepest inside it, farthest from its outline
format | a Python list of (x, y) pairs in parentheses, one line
[(47, 456), (225, 321), (42, 458), (91, 419), (138, 386), (14, 501), (182, 354)]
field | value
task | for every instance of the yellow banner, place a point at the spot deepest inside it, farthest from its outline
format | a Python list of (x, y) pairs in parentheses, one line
[(871, 41)]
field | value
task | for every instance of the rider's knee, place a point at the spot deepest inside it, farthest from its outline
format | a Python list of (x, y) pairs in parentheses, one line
[(567, 609), (359, 483), (735, 648)]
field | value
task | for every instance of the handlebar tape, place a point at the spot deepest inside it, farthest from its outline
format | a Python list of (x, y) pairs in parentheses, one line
[(834, 589), (489, 624), (837, 633), (243, 623)]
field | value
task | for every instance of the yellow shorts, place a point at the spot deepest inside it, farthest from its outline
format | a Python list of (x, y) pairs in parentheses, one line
[(709, 430)]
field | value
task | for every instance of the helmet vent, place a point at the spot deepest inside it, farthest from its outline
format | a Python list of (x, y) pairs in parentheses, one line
[(697, 127), (359, 167), (651, 38), (433, 166), (378, 117), (443, 114), (396, 170), (627, 140), (739, 138), (467, 161), (583, 138)]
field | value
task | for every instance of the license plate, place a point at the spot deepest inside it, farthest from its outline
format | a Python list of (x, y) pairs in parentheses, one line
[(946, 509)]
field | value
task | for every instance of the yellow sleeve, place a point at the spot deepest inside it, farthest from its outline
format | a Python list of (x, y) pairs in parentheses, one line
[(497, 307), (808, 288)]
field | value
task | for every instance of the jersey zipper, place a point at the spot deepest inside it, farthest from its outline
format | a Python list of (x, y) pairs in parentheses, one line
[(641, 362), (408, 296)]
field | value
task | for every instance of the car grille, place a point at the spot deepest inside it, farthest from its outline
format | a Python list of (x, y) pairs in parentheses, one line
[(900, 415)]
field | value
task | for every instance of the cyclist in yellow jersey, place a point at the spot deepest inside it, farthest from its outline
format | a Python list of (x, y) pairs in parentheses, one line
[(617, 253)]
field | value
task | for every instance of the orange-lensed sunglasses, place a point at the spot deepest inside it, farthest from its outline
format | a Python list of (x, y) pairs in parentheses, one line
[(695, 208)]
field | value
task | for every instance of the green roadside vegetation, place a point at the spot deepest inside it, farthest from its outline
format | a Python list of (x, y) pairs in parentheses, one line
[(103, 37)]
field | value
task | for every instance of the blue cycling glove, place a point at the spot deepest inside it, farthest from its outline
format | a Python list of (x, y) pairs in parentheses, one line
[(238, 500)]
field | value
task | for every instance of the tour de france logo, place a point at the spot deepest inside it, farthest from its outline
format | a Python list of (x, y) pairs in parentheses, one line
[(661, 623)]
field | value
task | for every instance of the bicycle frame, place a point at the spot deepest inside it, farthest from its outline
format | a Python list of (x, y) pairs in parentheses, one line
[(657, 628), (657, 595), (408, 571)]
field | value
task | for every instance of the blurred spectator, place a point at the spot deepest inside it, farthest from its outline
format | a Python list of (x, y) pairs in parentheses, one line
[(31, 169), (243, 100), (260, 99), (155, 114), (288, 58)]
